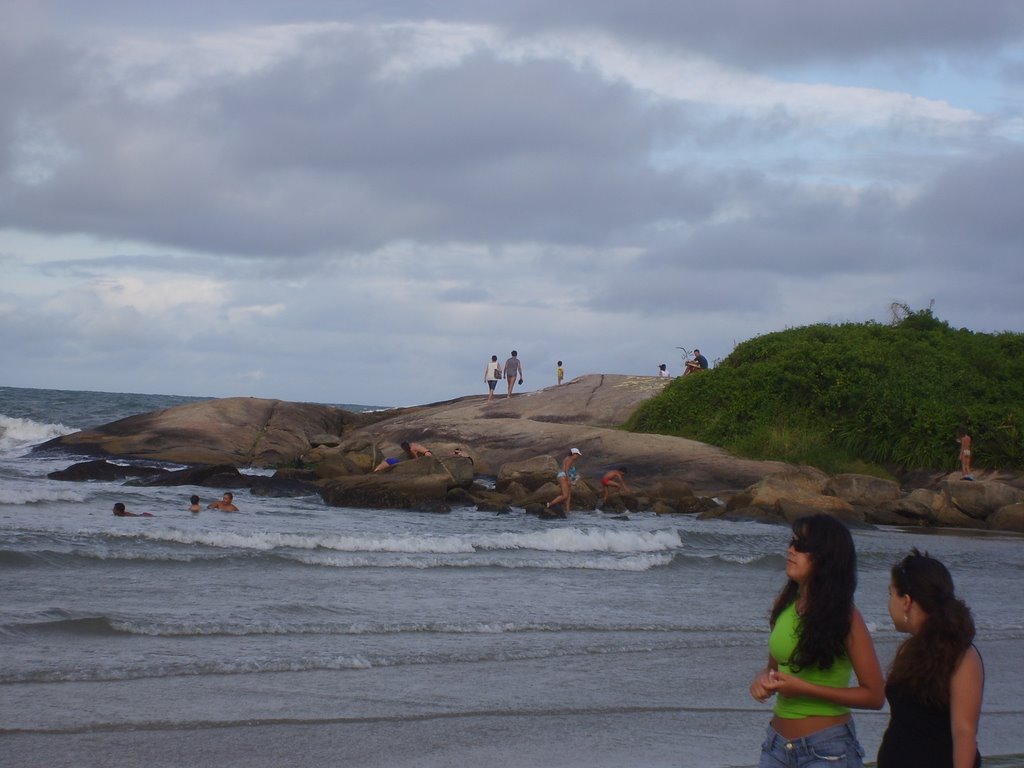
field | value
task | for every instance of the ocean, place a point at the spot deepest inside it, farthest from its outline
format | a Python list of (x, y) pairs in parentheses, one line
[(293, 633)]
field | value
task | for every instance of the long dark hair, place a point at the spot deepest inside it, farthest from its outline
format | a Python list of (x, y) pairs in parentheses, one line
[(828, 600), (926, 661)]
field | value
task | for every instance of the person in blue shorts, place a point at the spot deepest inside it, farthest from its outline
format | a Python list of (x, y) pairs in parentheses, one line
[(492, 375)]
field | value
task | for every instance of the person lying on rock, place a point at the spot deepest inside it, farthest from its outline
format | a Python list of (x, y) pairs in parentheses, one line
[(226, 504), (387, 464), (415, 450)]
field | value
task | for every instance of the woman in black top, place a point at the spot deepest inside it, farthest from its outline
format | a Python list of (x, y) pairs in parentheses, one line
[(937, 678)]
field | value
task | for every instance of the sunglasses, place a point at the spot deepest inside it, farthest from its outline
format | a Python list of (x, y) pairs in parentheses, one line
[(800, 545)]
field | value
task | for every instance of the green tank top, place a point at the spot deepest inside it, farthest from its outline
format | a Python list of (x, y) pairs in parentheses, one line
[(781, 645)]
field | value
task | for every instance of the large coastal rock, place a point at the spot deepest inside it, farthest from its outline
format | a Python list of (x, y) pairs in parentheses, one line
[(977, 499), (243, 431), (583, 413), (518, 442)]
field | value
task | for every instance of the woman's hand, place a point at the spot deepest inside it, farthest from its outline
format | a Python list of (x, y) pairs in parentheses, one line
[(786, 685), (763, 686)]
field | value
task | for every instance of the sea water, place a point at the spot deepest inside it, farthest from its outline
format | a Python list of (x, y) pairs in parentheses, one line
[(293, 633)]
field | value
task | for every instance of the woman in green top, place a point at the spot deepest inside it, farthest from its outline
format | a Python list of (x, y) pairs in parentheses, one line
[(818, 637)]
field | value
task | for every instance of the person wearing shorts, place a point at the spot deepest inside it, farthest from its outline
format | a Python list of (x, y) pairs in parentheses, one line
[(492, 374)]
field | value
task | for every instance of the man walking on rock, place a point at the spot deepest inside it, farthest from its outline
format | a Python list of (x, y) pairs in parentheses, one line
[(513, 371)]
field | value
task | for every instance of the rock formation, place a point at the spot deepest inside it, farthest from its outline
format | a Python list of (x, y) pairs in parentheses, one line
[(517, 444)]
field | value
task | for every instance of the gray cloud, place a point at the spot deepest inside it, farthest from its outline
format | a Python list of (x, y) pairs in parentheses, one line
[(196, 199)]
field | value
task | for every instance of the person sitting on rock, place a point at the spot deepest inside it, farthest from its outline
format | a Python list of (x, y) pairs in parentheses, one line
[(415, 450), (613, 481), (226, 504)]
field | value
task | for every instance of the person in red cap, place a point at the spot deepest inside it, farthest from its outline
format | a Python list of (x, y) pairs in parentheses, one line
[(566, 479)]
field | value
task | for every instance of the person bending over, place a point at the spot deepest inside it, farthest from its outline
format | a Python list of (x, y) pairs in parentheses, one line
[(614, 481)]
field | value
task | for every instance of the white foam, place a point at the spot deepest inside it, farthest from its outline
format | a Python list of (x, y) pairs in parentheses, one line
[(28, 494), (18, 434), (634, 563), (569, 540)]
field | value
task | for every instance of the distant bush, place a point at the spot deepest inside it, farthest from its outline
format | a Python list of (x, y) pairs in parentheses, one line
[(856, 397)]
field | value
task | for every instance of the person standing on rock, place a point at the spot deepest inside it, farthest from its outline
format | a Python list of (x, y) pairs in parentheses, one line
[(513, 371), (965, 454), (492, 375), (566, 480), (559, 372)]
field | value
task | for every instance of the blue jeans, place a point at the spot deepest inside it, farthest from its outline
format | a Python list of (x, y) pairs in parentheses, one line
[(835, 747)]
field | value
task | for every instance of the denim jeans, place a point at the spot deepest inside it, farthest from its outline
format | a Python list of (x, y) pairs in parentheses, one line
[(835, 747)]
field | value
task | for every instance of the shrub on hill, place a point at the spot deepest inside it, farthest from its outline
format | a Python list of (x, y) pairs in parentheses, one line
[(845, 397)]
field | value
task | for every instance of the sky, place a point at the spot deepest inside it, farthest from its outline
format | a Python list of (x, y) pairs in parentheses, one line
[(361, 202)]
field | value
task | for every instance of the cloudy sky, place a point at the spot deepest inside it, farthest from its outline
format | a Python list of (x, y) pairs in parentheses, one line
[(360, 202)]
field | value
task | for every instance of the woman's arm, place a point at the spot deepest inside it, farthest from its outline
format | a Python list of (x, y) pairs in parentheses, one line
[(869, 693), (965, 690)]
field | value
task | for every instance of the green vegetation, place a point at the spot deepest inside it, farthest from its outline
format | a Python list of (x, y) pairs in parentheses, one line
[(860, 397)]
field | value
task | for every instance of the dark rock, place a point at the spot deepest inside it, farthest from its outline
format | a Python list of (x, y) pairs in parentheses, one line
[(863, 490), (293, 473), (758, 514), (979, 499), (385, 491), (100, 469), (1008, 518), (241, 431), (889, 514), (282, 488), (217, 476), (460, 497), (531, 474)]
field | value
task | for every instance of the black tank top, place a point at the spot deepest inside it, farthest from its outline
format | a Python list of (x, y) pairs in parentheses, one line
[(917, 736)]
